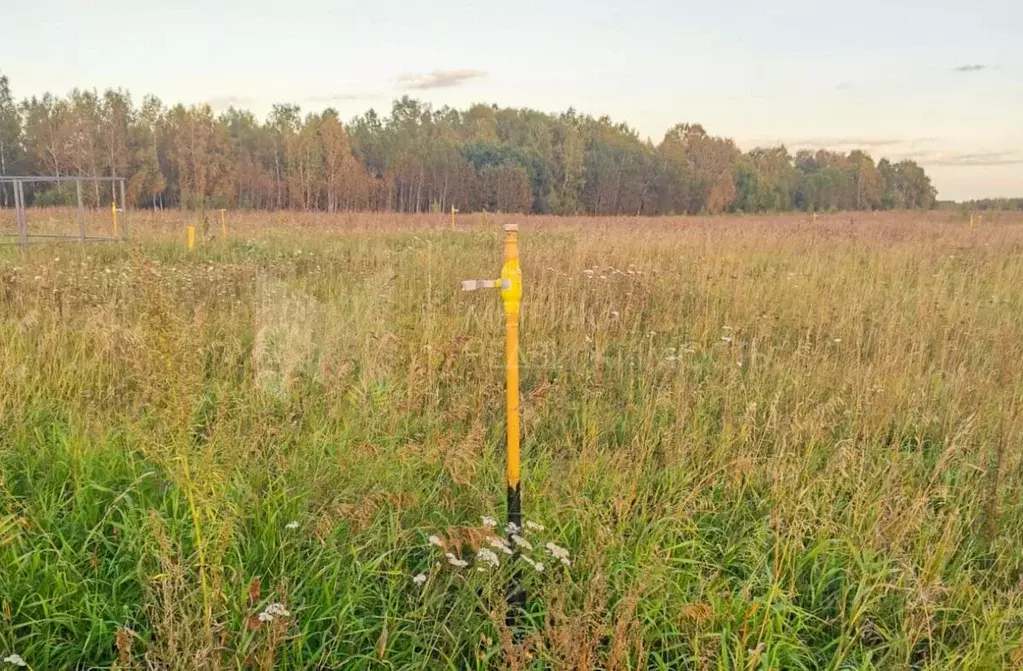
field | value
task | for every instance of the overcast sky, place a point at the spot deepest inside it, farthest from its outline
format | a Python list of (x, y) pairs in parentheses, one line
[(937, 81)]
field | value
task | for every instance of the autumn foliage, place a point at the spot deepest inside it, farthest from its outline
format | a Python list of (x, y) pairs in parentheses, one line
[(420, 159)]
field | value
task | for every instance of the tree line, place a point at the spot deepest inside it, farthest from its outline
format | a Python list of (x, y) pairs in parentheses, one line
[(419, 159), (984, 204)]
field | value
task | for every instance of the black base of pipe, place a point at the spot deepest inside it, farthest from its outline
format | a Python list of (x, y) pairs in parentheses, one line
[(516, 594)]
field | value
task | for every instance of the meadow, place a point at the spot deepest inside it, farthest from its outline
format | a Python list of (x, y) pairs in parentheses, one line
[(763, 442)]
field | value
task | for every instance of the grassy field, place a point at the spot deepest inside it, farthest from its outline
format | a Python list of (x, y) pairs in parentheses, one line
[(765, 443)]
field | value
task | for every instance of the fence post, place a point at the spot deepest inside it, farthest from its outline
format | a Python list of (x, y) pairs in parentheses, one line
[(20, 215), (81, 210), (124, 214)]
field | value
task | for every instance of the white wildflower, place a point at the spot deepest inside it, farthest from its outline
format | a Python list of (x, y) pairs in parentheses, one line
[(455, 561), (533, 526), (419, 579), (535, 564), (291, 525), (511, 528), (499, 544), (521, 542), (277, 610), (15, 659), (488, 557), (489, 522), (265, 617), (434, 540), (559, 553), (726, 339)]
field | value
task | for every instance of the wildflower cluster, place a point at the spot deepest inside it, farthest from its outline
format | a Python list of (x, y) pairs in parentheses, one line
[(603, 272), (516, 542), (274, 611)]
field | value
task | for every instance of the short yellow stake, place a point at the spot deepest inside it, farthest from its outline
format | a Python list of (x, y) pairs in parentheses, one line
[(223, 224), (191, 238), (113, 213), (453, 211)]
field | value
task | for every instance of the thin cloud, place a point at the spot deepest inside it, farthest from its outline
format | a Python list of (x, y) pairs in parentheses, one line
[(911, 148), (980, 159), (339, 97), (832, 143), (224, 102), (960, 159), (921, 155), (975, 67), (439, 79), (836, 142)]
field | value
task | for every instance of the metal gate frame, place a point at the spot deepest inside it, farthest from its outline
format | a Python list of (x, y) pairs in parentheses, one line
[(21, 216)]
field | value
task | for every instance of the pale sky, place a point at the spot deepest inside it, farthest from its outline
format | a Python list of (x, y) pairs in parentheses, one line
[(936, 81)]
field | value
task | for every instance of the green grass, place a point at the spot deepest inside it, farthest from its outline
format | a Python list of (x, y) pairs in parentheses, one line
[(766, 445)]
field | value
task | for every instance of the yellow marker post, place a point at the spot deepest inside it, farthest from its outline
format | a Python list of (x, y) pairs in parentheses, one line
[(223, 224), (511, 296), (113, 214), (453, 212), (510, 284), (191, 238)]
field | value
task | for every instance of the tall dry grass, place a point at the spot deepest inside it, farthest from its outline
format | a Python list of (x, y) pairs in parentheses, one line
[(766, 443)]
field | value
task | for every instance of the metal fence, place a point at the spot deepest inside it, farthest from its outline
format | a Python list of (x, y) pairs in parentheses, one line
[(25, 237)]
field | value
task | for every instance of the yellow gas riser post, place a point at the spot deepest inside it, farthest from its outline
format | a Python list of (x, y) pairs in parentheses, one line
[(511, 296), (113, 214), (223, 224), (511, 374), (191, 237)]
